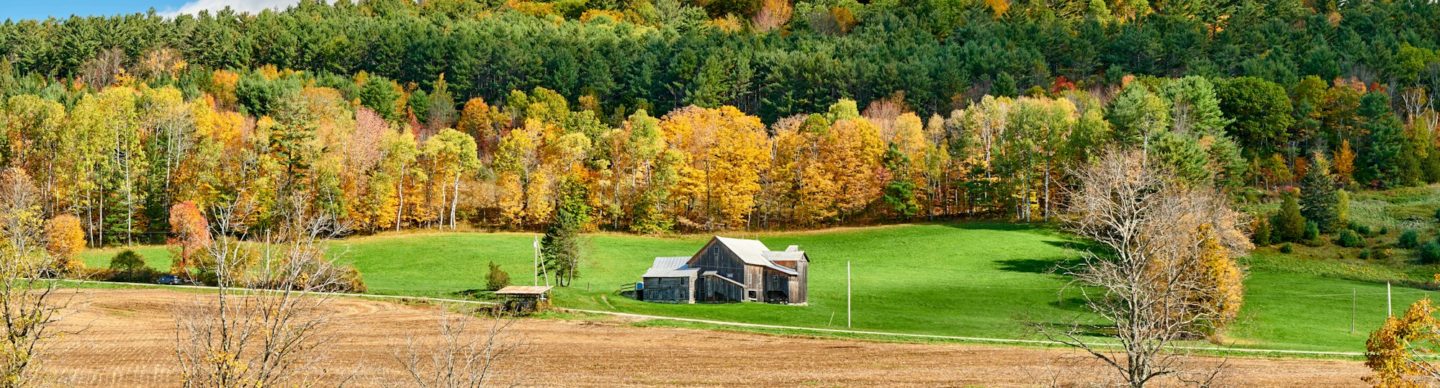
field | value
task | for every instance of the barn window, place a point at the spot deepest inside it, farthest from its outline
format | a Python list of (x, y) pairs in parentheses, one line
[(751, 294)]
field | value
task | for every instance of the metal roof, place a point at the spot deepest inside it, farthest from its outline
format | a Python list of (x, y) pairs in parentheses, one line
[(754, 252), (671, 267), (523, 290)]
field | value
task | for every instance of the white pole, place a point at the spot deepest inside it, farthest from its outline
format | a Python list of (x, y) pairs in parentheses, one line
[(1388, 311), (535, 255), (847, 293)]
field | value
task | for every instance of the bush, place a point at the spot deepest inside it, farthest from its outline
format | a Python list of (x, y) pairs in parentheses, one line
[(1261, 236), (497, 278), (1350, 239), (1437, 215), (1288, 224), (1430, 253), (1364, 230), (1312, 232), (127, 260), (1365, 254), (1409, 239), (1287, 248), (350, 281)]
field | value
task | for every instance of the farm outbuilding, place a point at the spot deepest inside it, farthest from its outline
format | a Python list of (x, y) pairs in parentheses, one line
[(729, 270), (525, 299)]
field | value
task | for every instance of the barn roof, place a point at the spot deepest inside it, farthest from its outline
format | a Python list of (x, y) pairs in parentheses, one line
[(670, 267), (753, 252)]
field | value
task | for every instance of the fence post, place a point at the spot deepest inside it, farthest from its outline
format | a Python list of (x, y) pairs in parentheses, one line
[(1389, 312), (1352, 310)]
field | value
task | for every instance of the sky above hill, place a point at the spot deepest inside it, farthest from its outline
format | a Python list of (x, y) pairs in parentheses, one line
[(41, 9)]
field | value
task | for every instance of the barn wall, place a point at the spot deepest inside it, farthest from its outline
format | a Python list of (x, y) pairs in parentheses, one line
[(714, 257), (669, 290)]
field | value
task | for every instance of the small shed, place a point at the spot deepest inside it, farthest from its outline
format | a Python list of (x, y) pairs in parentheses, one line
[(525, 299), (669, 280)]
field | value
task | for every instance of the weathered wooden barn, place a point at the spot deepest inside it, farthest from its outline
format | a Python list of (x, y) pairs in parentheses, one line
[(729, 270)]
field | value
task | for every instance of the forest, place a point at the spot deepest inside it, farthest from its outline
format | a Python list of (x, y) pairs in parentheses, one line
[(656, 116)]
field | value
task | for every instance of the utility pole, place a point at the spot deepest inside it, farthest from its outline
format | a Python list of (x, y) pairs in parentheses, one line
[(1389, 312), (535, 268), (847, 294)]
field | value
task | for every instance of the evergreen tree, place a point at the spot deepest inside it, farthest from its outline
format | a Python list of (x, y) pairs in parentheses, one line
[(560, 248), (900, 191), (1318, 200), (1288, 224)]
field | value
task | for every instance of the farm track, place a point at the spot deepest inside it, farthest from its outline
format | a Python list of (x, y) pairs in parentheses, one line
[(123, 338)]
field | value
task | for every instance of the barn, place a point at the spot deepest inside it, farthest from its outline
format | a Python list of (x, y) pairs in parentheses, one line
[(729, 270)]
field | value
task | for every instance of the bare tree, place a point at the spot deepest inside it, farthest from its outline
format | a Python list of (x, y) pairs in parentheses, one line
[(465, 356), (262, 326), (27, 302), (1154, 232)]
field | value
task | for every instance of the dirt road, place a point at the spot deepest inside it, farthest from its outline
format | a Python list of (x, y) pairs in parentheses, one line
[(126, 338)]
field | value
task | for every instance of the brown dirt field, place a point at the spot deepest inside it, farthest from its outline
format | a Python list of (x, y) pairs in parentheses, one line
[(123, 338)]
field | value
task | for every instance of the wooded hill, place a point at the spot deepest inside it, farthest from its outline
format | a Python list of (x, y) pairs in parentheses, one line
[(660, 116)]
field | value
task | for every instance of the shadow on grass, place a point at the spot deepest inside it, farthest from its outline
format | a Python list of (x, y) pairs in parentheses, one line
[(1051, 266)]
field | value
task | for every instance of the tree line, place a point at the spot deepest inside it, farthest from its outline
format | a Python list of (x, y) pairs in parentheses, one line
[(378, 156), (770, 58)]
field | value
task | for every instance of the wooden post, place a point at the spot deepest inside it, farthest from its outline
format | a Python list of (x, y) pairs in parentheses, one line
[(847, 294), (1352, 310), (1389, 312)]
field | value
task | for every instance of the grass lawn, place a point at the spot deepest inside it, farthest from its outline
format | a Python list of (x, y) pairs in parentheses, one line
[(970, 279)]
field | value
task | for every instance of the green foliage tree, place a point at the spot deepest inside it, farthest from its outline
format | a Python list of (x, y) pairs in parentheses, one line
[(561, 246), (1319, 202), (127, 260), (900, 191), (1288, 224), (1260, 110)]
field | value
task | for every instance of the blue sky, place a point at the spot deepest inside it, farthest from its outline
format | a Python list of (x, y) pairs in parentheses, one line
[(40, 9)]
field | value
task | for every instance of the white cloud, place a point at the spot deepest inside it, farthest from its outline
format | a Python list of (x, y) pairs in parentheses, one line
[(244, 6)]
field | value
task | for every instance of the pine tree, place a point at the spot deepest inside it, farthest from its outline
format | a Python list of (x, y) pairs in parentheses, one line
[(1288, 224), (560, 247), (1318, 200)]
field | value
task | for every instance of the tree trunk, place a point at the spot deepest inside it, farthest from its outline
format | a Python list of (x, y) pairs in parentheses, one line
[(455, 202), (400, 192)]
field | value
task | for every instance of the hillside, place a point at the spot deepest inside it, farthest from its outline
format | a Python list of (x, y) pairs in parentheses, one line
[(970, 279)]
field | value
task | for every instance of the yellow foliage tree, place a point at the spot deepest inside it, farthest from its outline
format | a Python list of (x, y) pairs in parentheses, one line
[(725, 150), (64, 240), (1398, 350)]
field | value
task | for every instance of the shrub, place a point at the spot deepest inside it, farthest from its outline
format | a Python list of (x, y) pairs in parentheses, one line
[(1364, 230), (1287, 248), (497, 278), (350, 281), (1261, 236), (1437, 215), (1365, 254), (127, 260), (1409, 239), (1350, 239), (1288, 224), (1381, 253), (1312, 232), (1384, 230), (1430, 253)]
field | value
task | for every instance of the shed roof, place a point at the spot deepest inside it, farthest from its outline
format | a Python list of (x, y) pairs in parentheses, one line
[(523, 290), (671, 267)]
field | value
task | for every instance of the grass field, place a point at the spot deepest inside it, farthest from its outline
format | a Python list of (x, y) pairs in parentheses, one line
[(969, 279)]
